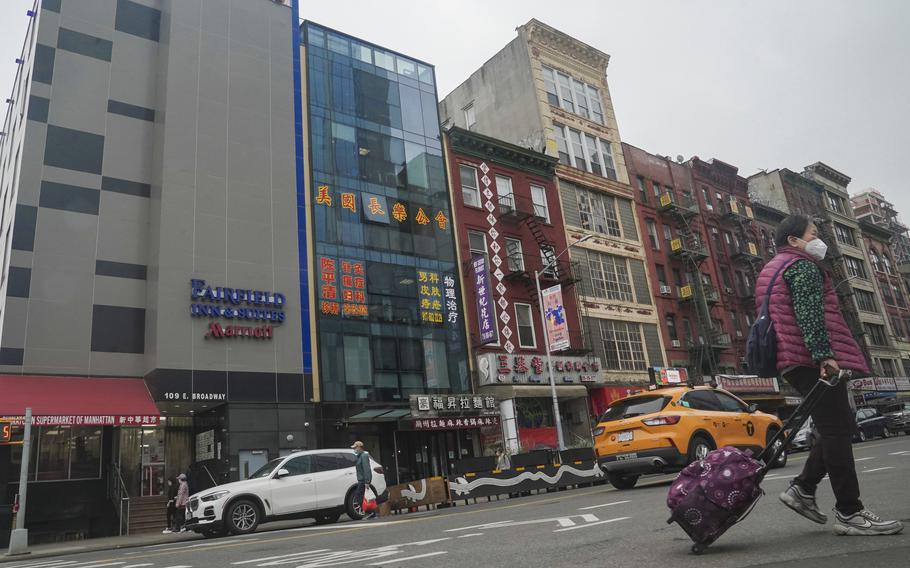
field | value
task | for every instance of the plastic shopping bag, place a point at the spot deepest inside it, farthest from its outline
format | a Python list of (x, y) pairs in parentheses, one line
[(369, 501)]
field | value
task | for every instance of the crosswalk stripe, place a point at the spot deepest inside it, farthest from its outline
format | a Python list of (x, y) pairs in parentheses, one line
[(45, 564), (593, 524), (406, 558), (267, 558), (603, 505)]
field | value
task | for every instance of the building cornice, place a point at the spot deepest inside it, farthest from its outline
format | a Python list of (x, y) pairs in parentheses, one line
[(551, 38), (829, 173), (485, 147)]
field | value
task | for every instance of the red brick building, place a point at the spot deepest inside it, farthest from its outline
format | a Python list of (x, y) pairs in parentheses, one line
[(507, 210), (702, 256)]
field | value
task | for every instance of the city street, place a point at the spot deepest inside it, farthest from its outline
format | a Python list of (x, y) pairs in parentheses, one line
[(594, 527)]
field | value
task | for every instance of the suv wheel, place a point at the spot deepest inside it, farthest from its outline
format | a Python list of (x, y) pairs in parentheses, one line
[(242, 517), (699, 446), (886, 432), (862, 435), (354, 510), (622, 481)]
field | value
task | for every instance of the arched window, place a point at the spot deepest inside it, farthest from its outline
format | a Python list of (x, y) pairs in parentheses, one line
[(876, 263), (886, 261)]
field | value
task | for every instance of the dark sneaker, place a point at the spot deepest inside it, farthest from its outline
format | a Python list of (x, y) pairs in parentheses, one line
[(370, 516), (864, 523), (803, 503)]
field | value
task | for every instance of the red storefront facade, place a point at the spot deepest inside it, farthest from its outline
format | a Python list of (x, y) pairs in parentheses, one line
[(507, 210)]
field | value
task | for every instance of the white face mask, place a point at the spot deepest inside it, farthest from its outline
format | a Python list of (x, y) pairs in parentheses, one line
[(816, 248)]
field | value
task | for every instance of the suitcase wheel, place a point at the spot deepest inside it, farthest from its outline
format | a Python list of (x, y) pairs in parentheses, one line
[(698, 548)]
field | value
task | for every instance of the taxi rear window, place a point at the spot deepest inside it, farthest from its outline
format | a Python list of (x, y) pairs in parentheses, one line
[(632, 407)]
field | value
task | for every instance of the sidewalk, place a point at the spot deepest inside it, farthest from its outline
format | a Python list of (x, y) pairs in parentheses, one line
[(95, 544)]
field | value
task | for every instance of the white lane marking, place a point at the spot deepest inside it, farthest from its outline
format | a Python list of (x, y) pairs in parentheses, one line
[(267, 558), (89, 565), (901, 453), (44, 564), (341, 526), (179, 566), (406, 558), (138, 565), (483, 526), (470, 535), (565, 522), (603, 505), (864, 459), (877, 469), (593, 524)]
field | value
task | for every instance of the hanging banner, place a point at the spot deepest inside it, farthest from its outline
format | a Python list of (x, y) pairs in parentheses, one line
[(485, 319), (555, 313)]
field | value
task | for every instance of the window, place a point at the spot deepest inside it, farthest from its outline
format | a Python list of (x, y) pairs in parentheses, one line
[(652, 234), (565, 92), (707, 196), (876, 334), (875, 260), (549, 84), (686, 330), (469, 119), (505, 193), (855, 267), (642, 189), (668, 233), (888, 367), (886, 262), (597, 113), (610, 276), (661, 275), (725, 278), (728, 403), (886, 294), (703, 400), (865, 301), (719, 196), (299, 466), (587, 153), (581, 98), (470, 189), (835, 203), (898, 327), (735, 321), (330, 462), (898, 295), (477, 242), (598, 212), (671, 327), (525, 322), (514, 259), (677, 277), (623, 347), (539, 198), (65, 452), (844, 234)]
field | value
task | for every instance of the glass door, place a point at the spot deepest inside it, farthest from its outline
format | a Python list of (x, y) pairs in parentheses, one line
[(153, 461)]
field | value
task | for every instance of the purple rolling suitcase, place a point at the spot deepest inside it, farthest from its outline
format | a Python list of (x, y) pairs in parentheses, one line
[(711, 495)]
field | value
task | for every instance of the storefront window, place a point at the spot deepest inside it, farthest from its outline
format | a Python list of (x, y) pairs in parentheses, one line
[(537, 429), (61, 453), (85, 457)]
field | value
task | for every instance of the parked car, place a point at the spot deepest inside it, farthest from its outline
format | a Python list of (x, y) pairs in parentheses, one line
[(664, 430), (316, 484), (898, 417), (870, 424), (806, 437)]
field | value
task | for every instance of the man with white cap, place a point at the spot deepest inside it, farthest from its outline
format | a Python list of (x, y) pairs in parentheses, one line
[(364, 475)]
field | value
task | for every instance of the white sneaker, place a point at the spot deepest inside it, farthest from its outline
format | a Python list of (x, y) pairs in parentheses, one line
[(167, 531), (864, 523)]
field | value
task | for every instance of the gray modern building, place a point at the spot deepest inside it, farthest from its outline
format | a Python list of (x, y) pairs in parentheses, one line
[(150, 233)]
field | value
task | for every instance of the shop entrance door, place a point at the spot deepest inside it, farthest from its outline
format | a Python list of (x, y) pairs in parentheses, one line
[(251, 460), (153, 461), (142, 460)]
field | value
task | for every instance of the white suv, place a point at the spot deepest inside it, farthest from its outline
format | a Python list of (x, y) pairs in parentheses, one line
[(316, 484)]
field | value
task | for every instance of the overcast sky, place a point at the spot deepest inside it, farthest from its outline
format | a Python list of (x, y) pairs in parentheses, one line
[(763, 84)]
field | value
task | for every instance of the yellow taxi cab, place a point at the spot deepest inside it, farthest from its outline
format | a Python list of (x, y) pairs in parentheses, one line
[(663, 430)]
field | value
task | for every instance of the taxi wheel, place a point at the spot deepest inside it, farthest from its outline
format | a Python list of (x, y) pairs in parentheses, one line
[(622, 481), (782, 460), (699, 446)]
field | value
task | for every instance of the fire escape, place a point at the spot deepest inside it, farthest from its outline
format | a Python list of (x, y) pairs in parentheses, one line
[(747, 256), (689, 248), (520, 267)]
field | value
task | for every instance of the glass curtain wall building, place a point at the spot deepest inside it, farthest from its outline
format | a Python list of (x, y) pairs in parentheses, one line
[(387, 304)]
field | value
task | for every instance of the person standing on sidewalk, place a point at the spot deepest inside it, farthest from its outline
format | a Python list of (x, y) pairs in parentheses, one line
[(364, 475), (171, 507), (813, 339), (183, 496)]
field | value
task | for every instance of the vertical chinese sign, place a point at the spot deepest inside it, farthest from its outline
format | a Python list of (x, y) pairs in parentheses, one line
[(353, 289), (485, 321), (328, 286), (555, 313), (430, 297)]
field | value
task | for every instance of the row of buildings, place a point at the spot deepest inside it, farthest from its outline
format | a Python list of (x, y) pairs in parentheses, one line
[(229, 234)]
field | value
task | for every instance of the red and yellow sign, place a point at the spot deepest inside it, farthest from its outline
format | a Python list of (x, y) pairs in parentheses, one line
[(350, 298), (431, 309)]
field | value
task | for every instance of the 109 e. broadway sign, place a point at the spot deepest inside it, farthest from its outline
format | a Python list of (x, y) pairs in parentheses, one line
[(239, 304), (502, 368)]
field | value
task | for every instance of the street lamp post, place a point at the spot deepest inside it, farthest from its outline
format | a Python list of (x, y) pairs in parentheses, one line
[(560, 441)]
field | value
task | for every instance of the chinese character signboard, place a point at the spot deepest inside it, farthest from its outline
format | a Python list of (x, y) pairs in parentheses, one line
[(451, 300), (455, 423), (485, 318), (505, 368), (555, 312), (430, 296), (452, 405), (375, 208), (349, 299)]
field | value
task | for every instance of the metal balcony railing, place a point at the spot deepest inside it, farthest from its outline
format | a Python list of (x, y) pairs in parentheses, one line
[(517, 266), (687, 247), (680, 206), (748, 251), (734, 211), (515, 208), (689, 292)]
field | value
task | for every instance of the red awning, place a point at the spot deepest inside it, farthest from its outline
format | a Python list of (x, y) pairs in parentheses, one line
[(77, 401)]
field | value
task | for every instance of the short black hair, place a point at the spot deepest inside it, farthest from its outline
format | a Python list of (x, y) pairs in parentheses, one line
[(791, 226)]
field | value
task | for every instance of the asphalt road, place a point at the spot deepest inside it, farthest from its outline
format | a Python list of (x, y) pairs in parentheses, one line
[(589, 527)]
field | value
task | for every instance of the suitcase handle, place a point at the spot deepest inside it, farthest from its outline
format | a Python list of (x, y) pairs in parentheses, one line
[(796, 421)]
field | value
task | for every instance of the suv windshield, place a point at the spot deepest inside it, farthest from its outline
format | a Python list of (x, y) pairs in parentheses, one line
[(267, 469), (634, 407)]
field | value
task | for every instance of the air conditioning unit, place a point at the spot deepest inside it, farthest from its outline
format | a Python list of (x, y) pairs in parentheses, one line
[(728, 289), (665, 290), (676, 343), (739, 333)]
